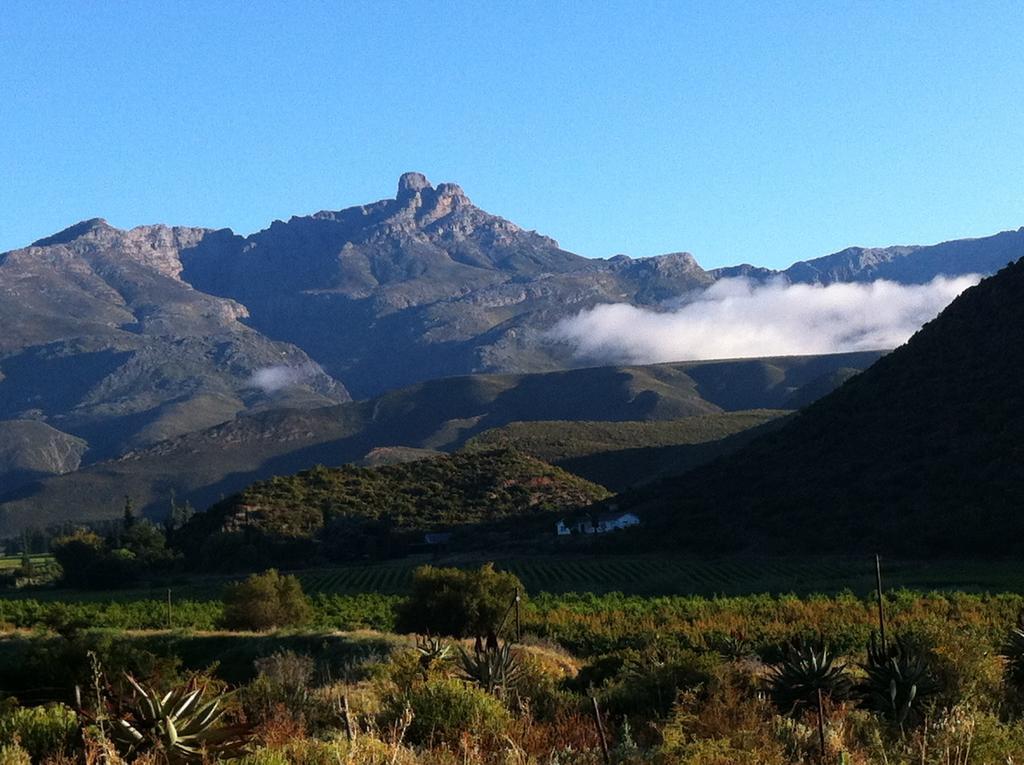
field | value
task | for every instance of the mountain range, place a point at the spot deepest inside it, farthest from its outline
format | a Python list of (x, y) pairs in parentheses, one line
[(125, 342)]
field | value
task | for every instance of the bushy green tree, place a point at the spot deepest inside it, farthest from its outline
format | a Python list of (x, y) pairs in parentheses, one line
[(89, 560), (84, 558), (265, 601), (458, 602)]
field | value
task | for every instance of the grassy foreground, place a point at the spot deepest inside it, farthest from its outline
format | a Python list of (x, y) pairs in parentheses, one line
[(678, 679)]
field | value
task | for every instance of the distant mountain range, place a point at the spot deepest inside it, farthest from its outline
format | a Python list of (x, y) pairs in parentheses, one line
[(921, 454), (904, 265), (115, 341)]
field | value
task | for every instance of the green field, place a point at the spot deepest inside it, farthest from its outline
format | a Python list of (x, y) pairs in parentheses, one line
[(9, 562), (638, 575), (664, 575)]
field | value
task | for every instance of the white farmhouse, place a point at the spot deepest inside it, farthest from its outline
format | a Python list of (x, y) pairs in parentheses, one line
[(602, 524)]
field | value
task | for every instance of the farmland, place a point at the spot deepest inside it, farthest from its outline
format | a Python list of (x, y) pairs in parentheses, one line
[(651, 575)]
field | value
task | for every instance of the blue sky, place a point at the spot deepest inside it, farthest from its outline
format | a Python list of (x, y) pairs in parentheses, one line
[(759, 132)]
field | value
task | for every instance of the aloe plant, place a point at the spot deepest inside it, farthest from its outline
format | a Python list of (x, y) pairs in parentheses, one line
[(493, 669), (898, 683), (805, 669), (432, 651), (732, 646), (177, 726)]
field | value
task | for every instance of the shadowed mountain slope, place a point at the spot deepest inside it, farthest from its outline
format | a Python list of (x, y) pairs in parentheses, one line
[(921, 454)]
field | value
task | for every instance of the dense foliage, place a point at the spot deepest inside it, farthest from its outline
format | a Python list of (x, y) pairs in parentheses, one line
[(459, 602), (133, 550), (266, 601)]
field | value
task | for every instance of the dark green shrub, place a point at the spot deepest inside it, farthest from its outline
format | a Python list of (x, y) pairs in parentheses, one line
[(443, 709), (42, 668), (458, 602), (265, 601), (598, 672), (650, 681)]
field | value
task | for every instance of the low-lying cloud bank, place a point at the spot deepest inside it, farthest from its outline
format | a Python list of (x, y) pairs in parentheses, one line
[(276, 378), (737, 318)]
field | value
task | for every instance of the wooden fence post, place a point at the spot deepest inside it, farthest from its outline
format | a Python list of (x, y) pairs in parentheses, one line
[(346, 717), (600, 731), (519, 621), (821, 726), (881, 612)]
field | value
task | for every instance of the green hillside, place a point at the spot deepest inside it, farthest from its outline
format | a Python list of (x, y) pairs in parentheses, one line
[(623, 454), (351, 511), (440, 415), (921, 454)]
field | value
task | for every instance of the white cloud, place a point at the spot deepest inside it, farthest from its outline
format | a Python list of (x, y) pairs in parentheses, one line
[(737, 318), (275, 378)]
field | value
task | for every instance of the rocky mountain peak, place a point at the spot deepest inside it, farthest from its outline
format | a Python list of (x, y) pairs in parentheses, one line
[(71, 233), (411, 184), (445, 190)]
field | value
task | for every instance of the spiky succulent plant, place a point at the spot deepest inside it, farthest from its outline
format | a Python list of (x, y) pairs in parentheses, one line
[(806, 668), (494, 669), (432, 651), (178, 726), (732, 646), (898, 682)]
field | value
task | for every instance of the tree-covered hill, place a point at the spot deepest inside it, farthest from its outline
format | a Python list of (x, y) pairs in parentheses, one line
[(352, 511), (922, 454)]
